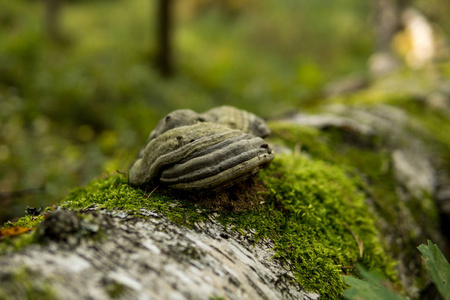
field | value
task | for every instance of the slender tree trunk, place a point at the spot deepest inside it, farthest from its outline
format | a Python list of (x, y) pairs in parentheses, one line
[(52, 14), (164, 55), (388, 21)]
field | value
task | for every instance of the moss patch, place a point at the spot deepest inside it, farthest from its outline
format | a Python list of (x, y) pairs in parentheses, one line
[(323, 226), (16, 243), (370, 168), (24, 284), (369, 164), (115, 290), (114, 193), (27, 222)]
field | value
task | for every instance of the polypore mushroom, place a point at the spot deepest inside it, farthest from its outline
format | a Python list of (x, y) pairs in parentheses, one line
[(177, 118), (200, 156), (237, 119)]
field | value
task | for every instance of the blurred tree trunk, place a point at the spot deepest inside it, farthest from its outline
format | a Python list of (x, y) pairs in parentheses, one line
[(52, 15), (388, 21), (164, 54)]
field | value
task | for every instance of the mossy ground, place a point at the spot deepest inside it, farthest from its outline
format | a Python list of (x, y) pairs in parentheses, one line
[(312, 211)]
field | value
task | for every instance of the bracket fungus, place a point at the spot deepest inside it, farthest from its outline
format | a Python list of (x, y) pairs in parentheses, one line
[(237, 119), (226, 115), (187, 151), (177, 118)]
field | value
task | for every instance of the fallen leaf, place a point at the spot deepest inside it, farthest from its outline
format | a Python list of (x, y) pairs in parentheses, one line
[(13, 231)]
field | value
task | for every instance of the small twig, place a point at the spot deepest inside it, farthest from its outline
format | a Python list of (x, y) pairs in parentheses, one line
[(152, 191), (348, 267), (121, 173), (358, 240)]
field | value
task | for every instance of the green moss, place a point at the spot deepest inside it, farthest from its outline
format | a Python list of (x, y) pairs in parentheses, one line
[(320, 216), (217, 298), (111, 193), (367, 162), (114, 193), (24, 284), (16, 243), (115, 290), (27, 222), (304, 138)]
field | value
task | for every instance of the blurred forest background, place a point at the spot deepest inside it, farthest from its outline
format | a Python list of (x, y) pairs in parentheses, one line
[(81, 84)]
